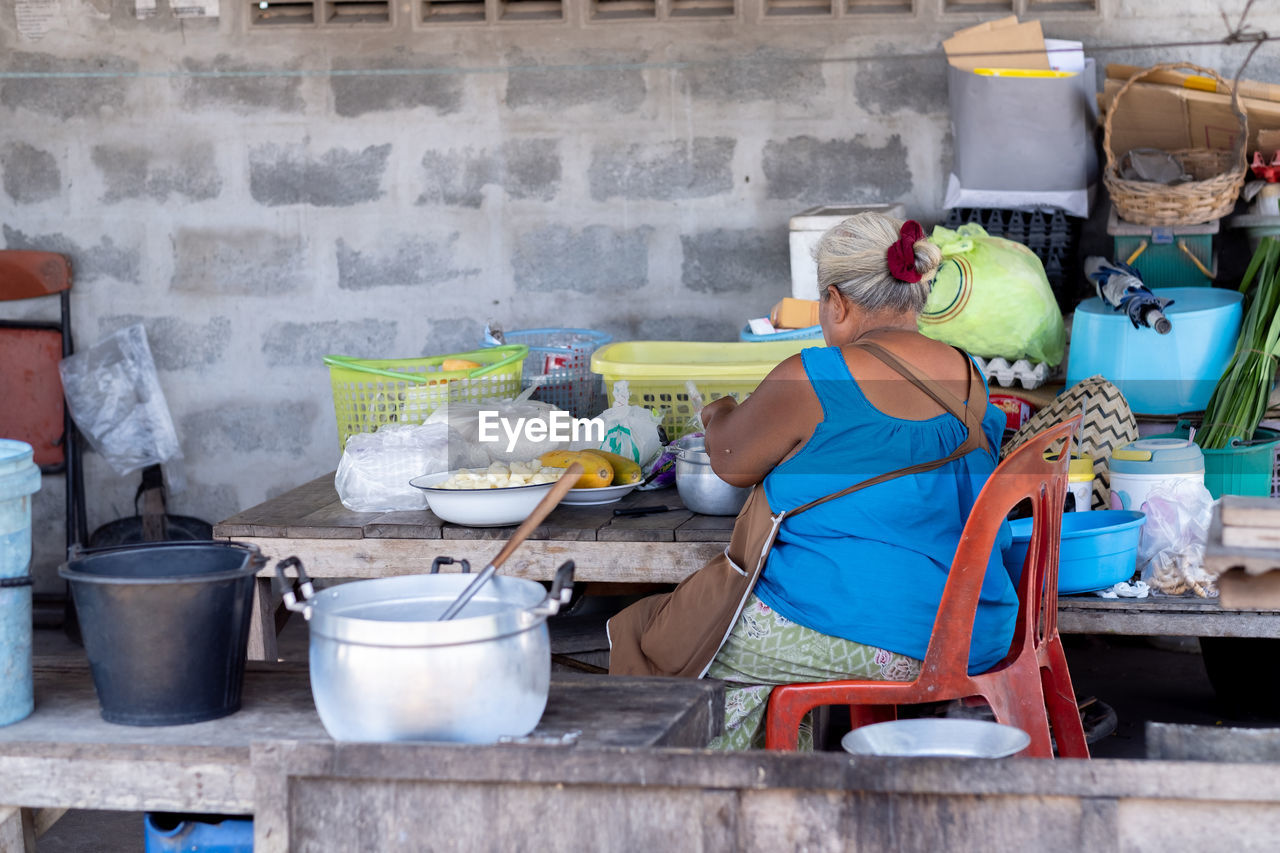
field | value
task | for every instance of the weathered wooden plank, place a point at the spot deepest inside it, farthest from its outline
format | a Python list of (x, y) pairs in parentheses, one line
[(1178, 742), (416, 524), (65, 755), (620, 562), (1219, 558), (17, 834), (578, 522), (331, 521), (262, 628), (659, 527), (757, 770), (1242, 511), (706, 528), (272, 517), (44, 819), (1165, 615), (126, 782), (463, 533), (1251, 538), (1240, 590)]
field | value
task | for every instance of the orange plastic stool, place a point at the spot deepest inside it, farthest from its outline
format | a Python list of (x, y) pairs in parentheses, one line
[(1030, 688)]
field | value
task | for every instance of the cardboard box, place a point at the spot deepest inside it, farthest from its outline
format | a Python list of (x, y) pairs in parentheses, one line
[(1004, 43), (1170, 117), (793, 313)]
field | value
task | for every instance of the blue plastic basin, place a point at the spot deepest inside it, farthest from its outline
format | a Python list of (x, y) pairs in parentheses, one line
[(1099, 549), (1159, 374)]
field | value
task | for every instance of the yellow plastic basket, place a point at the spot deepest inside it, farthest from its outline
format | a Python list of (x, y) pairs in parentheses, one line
[(657, 372), (369, 393)]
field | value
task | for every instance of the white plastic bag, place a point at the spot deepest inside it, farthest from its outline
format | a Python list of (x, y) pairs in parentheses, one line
[(501, 429), (630, 431), (376, 467), (115, 398), (1171, 551)]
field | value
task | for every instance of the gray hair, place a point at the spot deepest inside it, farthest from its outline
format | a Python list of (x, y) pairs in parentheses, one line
[(854, 257)]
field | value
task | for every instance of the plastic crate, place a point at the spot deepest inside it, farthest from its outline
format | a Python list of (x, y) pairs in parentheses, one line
[(369, 393), (1159, 258), (657, 372), (562, 359)]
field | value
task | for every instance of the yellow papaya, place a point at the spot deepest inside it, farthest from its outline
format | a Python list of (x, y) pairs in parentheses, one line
[(596, 470), (625, 471)]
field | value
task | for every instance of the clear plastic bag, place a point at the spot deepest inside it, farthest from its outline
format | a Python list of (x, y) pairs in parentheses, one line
[(114, 396), (1171, 551), (991, 298), (630, 431), (495, 427), (376, 467)]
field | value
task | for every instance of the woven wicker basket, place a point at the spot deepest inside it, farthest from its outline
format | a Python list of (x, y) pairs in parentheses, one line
[(1219, 175)]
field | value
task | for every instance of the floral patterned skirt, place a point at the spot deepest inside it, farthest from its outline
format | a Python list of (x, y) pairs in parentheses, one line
[(766, 649)]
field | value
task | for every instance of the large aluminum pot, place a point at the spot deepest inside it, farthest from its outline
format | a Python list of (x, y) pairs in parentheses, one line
[(384, 669), (699, 487)]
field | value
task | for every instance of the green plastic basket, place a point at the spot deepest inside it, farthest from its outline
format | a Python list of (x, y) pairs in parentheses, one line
[(369, 393)]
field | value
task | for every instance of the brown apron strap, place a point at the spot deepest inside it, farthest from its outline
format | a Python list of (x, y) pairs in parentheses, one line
[(970, 415), (940, 395)]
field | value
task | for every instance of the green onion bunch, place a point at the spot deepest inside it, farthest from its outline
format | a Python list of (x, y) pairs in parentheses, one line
[(1239, 400)]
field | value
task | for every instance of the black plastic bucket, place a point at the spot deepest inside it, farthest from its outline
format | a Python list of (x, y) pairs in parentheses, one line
[(166, 627)]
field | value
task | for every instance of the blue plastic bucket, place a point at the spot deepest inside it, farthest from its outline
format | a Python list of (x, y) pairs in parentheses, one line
[(1159, 374), (1099, 549), (19, 480), (191, 833)]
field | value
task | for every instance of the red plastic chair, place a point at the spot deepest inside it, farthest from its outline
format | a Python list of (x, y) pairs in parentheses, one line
[(34, 410), (1030, 688)]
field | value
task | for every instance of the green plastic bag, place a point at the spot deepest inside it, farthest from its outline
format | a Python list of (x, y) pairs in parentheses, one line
[(991, 298)]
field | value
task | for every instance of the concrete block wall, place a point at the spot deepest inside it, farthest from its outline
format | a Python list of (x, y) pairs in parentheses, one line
[(257, 201)]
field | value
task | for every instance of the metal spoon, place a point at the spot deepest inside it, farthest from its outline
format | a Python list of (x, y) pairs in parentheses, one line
[(566, 482)]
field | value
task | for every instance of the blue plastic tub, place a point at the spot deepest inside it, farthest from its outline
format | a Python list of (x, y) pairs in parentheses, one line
[(807, 333), (1099, 549), (1159, 374)]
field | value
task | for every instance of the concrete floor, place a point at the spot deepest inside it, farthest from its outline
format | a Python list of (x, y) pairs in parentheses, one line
[(1160, 679)]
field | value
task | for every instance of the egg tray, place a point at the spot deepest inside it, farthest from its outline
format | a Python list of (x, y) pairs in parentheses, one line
[(1029, 375)]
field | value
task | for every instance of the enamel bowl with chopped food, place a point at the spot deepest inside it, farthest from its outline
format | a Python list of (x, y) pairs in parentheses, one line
[(487, 497)]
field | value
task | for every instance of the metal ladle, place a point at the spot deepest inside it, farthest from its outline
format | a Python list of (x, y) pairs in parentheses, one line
[(562, 486)]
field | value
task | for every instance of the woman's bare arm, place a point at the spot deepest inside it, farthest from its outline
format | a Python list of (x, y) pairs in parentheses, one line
[(745, 441)]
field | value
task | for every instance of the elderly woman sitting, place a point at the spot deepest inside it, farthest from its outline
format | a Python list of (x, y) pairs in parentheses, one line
[(852, 586)]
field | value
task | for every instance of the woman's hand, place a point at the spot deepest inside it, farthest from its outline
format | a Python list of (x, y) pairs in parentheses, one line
[(746, 441)]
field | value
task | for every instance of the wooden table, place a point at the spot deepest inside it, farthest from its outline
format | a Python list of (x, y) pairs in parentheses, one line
[(334, 542), (66, 756)]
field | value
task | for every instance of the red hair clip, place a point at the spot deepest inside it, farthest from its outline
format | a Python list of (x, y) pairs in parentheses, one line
[(902, 254)]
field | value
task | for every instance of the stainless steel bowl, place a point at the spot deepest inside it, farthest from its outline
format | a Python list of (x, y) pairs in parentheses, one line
[(937, 737), (699, 487)]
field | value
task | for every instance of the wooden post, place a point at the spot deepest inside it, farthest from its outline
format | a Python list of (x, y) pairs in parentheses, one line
[(17, 830)]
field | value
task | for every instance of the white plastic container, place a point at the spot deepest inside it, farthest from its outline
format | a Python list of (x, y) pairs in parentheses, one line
[(1142, 465), (808, 226)]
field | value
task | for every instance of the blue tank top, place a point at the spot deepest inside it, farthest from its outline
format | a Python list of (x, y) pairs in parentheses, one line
[(870, 566)]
